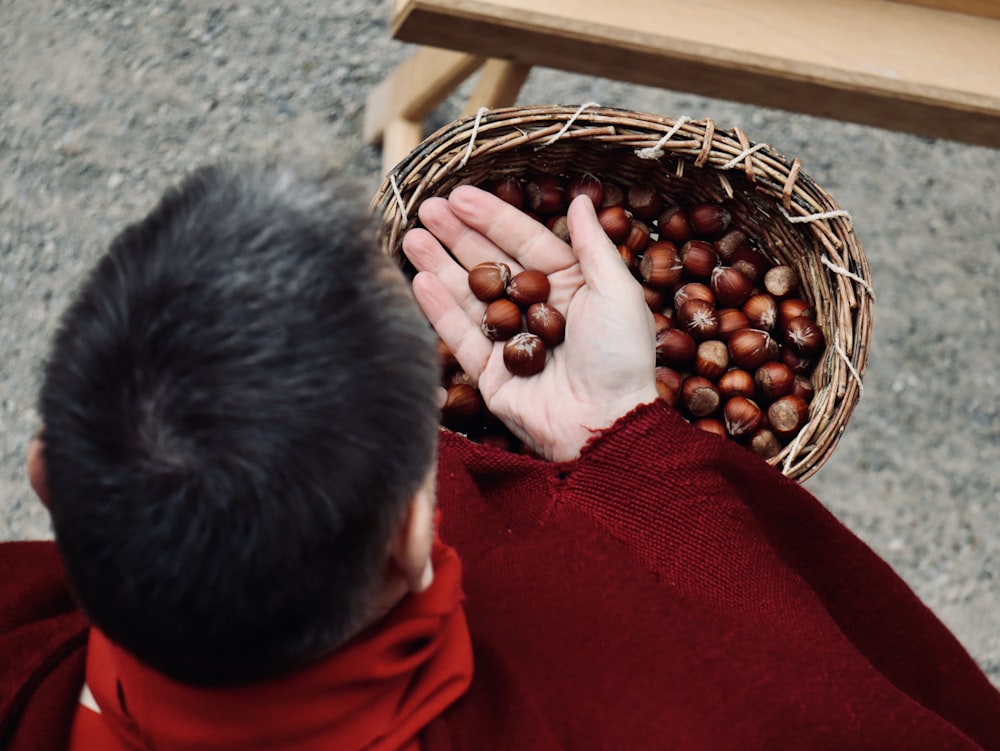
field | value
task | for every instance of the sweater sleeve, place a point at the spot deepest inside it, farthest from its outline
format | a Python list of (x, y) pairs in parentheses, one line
[(741, 532)]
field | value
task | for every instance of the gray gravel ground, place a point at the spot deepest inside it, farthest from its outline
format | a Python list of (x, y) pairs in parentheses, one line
[(104, 104)]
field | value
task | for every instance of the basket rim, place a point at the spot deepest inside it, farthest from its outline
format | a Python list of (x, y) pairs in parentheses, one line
[(735, 166)]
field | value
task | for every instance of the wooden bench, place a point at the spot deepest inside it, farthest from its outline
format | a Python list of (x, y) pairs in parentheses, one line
[(928, 67)]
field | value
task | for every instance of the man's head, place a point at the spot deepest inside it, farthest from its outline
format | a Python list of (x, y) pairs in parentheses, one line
[(239, 408)]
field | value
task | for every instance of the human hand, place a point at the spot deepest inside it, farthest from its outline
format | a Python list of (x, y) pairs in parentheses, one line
[(603, 369)]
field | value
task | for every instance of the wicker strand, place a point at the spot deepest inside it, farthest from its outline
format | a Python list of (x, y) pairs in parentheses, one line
[(569, 123), (817, 216), (472, 138), (743, 155), (793, 450), (850, 366), (399, 197), (825, 260), (706, 144), (656, 151)]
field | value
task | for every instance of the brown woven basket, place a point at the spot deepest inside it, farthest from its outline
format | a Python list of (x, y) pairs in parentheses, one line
[(792, 219)]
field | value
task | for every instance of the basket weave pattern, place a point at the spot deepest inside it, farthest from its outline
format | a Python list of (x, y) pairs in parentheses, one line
[(793, 220)]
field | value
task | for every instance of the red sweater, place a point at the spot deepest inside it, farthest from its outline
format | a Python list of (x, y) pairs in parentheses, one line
[(666, 590)]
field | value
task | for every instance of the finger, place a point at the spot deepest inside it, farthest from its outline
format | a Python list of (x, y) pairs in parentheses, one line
[(600, 262), (468, 246), (510, 229), (457, 327), (427, 254)]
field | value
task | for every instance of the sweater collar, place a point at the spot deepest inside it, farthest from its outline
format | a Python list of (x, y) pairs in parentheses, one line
[(377, 692)]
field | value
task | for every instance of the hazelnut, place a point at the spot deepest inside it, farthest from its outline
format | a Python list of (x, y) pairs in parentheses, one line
[(524, 354), (750, 348), (673, 225), (654, 297), (799, 365), (488, 281), (787, 415), (644, 201), (730, 286), (501, 320), (528, 287), (586, 185), (628, 258), (668, 385), (742, 416), (547, 323), (660, 266), (661, 322), (709, 220)]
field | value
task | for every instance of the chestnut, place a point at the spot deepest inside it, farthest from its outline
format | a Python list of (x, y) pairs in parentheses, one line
[(804, 337), (675, 348), (698, 258), (528, 287), (545, 194), (644, 201), (461, 407), (547, 323), (787, 415), (660, 266), (709, 220), (613, 196), (524, 354), (501, 320), (781, 281), (742, 416), (488, 281), (700, 396), (750, 262), (730, 286), (585, 185), (698, 318), (616, 223), (765, 443), (774, 379), (711, 425), (693, 291), (761, 311), (726, 245), (750, 348), (711, 359), (673, 225), (730, 320), (736, 382), (509, 189)]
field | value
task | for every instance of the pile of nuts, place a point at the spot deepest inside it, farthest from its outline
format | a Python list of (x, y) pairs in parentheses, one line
[(736, 342)]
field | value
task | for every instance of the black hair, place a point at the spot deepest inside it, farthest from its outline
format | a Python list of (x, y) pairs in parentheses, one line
[(238, 407)]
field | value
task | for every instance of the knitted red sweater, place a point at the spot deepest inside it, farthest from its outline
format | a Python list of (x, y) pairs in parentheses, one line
[(666, 590), (671, 590)]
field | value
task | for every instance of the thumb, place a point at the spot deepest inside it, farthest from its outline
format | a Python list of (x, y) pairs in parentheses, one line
[(600, 262)]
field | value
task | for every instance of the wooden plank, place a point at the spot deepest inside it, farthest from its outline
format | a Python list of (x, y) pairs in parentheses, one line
[(399, 138), (984, 8), (416, 87), (875, 62), (498, 85)]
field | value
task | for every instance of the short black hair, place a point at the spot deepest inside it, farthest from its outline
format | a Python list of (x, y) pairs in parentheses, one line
[(238, 406)]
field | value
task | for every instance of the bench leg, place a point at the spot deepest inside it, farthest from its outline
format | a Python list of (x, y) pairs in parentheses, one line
[(498, 85)]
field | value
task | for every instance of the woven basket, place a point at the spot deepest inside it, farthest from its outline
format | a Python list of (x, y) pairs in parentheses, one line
[(793, 220)]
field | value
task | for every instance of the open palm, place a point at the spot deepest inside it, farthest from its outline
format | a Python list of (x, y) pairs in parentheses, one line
[(605, 366)]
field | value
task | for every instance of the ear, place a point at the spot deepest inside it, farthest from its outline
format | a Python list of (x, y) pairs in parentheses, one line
[(36, 467), (411, 550)]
